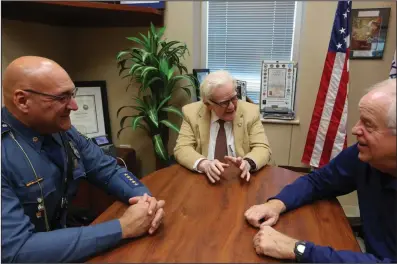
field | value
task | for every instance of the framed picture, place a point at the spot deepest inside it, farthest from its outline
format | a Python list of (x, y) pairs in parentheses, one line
[(278, 83), (200, 74), (241, 90), (92, 117), (368, 33)]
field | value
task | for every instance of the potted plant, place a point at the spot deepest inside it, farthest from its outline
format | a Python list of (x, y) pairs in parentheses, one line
[(155, 65)]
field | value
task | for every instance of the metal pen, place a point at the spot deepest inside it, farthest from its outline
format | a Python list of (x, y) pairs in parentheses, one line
[(231, 150)]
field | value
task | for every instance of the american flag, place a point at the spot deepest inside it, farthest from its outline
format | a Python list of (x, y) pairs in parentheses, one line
[(393, 73), (327, 132)]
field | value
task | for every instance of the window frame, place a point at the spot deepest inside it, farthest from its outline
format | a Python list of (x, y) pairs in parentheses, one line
[(298, 21)]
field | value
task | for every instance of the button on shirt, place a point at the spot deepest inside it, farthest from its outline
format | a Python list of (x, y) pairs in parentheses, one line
[(377, 195)]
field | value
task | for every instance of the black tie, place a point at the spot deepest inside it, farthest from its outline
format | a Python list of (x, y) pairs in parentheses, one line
[(53, 151), (221, 144)]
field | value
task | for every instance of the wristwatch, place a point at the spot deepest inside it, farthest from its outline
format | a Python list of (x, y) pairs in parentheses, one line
[(251, 163), (299, 250)]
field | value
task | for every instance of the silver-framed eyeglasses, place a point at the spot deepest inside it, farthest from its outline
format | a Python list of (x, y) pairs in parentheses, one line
[(64, 97)]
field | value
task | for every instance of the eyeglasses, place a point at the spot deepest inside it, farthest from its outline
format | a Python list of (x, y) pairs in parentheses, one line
[(226, 103), (65, 97)]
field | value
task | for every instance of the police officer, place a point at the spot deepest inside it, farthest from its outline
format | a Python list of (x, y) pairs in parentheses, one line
[(43, 159)]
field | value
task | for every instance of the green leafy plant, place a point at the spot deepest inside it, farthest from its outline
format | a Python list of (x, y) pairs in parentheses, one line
[(155, 65)]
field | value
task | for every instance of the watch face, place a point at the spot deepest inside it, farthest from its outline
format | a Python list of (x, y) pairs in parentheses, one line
[(301, 248)]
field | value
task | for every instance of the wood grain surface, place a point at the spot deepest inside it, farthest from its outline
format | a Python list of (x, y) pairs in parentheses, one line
[(205, 222)]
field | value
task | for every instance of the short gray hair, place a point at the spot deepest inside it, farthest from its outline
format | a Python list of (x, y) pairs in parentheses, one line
[(213, 81), (389, 88)]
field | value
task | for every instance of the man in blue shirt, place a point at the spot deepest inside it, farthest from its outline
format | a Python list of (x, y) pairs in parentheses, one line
[(368, 167), (43, 159)]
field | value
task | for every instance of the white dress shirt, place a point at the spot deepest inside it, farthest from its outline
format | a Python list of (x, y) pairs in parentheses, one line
[(214, 128)]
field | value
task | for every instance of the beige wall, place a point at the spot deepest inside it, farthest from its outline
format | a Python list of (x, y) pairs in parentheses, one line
[(89, 54), (94, 52), (94, 55), (363, 73), (19, 38)]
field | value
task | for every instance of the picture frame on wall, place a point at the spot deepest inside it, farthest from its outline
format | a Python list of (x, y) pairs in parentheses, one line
[(200, 74), (368, 33), (241, 90), (92, 117)]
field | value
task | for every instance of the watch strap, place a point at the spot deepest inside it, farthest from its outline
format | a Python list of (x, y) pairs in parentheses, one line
[(251, 163), (299, 254)]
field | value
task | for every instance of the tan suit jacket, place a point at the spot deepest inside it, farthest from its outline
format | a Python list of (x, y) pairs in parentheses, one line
[(249, 135)]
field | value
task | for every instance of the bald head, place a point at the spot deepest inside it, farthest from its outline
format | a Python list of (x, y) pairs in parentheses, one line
[(28, 72), (38, 92)]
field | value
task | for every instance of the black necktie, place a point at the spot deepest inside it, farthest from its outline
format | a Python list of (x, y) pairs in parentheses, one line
[(53, 151), (221, 144)]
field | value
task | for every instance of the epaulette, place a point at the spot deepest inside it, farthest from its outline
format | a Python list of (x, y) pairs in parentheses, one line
[(4, 128)]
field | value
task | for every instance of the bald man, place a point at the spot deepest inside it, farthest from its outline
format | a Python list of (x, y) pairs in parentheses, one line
[(369, 167), (43, 159)]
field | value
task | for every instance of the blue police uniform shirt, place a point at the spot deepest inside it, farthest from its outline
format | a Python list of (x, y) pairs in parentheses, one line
[(377, 193), (24, 236)]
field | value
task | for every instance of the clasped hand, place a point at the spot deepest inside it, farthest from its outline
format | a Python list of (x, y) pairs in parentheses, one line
[(144, 214)]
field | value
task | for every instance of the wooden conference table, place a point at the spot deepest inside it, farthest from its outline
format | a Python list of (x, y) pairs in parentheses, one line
[(205, 222)]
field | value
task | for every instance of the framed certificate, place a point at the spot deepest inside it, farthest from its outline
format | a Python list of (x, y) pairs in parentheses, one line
[(278, 79), (92, 117)]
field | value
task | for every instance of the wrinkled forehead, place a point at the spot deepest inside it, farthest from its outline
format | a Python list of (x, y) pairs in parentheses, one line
[(50, 80), (375, 106)]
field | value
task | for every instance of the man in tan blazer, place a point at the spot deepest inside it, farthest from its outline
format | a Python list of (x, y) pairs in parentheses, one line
[(221, 128)]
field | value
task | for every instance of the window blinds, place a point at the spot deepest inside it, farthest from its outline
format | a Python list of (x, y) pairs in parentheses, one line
[(242, 34)]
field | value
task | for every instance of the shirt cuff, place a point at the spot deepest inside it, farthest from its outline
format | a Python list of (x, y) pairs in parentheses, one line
[(285, 198), (309, 252), (196, 164), (105, 235)]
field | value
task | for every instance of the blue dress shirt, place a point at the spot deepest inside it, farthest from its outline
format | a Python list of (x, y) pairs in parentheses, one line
[(24, 232), (377, 195)]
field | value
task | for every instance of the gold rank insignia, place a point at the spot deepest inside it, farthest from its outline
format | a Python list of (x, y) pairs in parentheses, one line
[(130, 179)]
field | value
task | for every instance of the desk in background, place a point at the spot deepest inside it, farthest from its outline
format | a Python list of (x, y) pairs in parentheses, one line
[(205, 223)]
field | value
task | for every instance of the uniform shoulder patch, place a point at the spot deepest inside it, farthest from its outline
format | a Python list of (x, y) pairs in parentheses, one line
[(5, 128)]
